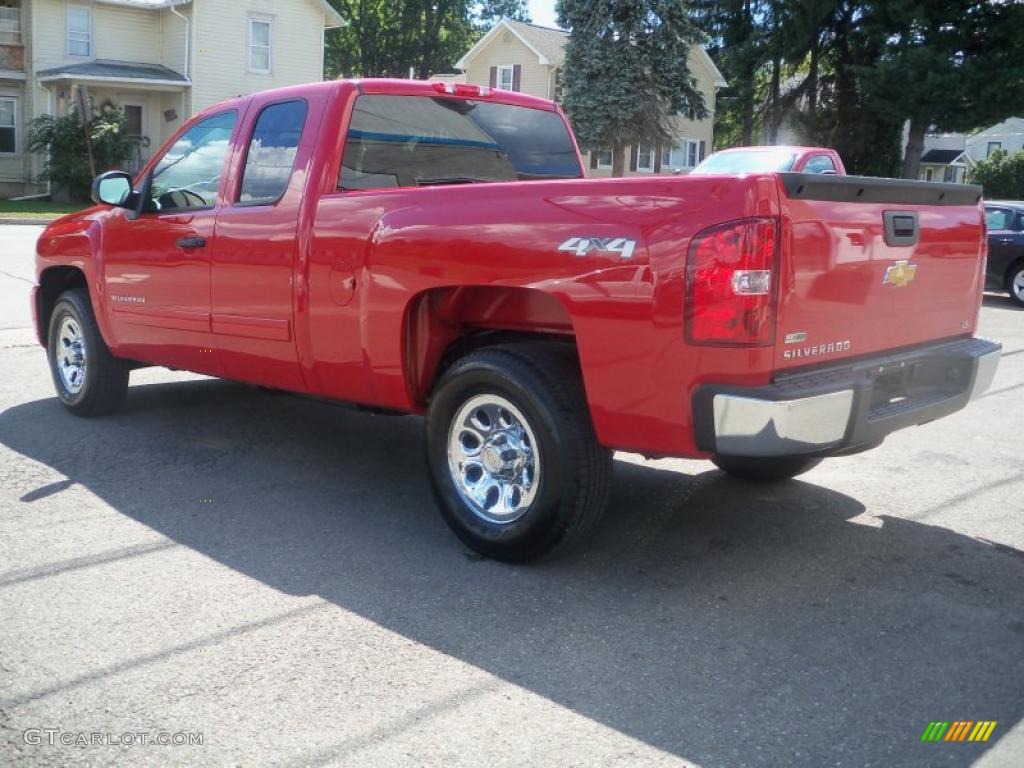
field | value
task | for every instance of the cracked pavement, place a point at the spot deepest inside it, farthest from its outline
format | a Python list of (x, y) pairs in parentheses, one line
[(316, 611)]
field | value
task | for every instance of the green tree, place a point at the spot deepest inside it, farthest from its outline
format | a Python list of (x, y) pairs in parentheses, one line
[(387, 38), (1001, 175), (63, 140), (950, 65), (625, 74)]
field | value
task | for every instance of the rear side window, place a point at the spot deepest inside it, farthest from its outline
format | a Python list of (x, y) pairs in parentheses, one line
[(271, 155), (406, 141), (998, 218), (819, 164)]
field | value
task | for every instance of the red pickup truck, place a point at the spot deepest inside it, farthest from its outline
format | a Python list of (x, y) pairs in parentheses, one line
[(434, 249)]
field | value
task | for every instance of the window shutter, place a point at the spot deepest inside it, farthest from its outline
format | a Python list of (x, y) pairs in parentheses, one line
[(634, 157), (700, 150), (517, 76), (593, 160), (494, 77)]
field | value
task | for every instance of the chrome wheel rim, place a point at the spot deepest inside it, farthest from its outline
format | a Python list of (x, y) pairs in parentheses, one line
[(1017, 285), (493, 459), (70, 355)]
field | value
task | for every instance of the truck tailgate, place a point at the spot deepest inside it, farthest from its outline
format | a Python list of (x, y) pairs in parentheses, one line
[(871, 265)]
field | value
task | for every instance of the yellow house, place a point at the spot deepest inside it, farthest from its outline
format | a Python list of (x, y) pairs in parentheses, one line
[(523, 57), (158, 60)]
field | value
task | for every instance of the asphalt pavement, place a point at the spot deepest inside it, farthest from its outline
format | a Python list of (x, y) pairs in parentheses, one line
[(268, 575)]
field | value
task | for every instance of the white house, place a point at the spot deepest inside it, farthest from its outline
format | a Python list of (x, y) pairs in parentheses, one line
[(158, 60)]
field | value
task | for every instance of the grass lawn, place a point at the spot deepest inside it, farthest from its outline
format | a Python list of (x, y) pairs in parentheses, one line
[(36, 209)]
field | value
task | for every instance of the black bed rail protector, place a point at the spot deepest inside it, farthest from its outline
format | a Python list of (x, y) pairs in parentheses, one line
[(867, 189)]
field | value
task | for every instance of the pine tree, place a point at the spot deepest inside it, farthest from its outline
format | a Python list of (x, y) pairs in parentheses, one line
[(625, 74)]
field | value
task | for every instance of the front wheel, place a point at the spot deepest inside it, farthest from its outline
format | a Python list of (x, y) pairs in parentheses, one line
[(88, 379), (515, 467), (767, 469), (1015, 284)]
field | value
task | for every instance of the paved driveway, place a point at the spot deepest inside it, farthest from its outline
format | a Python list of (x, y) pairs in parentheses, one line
[(271, 574)]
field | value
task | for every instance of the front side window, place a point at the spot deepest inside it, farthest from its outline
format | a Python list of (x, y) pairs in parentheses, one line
[(79, 30), (8, 123), (408, 141), (187, 177), (259, 45), (272, 150)]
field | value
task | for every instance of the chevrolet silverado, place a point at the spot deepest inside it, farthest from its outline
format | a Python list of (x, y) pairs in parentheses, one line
[(435, 249)]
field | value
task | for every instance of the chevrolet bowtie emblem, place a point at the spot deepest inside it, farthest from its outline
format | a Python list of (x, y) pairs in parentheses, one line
[(900, 274)]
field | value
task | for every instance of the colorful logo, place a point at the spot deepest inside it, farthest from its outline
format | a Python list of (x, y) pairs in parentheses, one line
[(958, 730)]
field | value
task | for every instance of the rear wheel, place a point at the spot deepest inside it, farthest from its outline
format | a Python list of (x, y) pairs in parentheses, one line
[(88, 379), (1015, 283), (765, 469), (516, 469)]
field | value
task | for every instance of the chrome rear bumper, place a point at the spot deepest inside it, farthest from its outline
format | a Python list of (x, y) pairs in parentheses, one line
[(838, 408)]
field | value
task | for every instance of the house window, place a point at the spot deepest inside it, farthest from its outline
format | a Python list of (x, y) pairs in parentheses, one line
[(506, 77), (259, 45), (604, 158), (950, 174), (992, 147), (645, 157), (682, 155), (79, 30), (132, 120), (10, 26), (928, 175), (8, 126)]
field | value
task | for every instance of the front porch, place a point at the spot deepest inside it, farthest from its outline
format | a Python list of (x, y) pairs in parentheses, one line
[(153, 98)]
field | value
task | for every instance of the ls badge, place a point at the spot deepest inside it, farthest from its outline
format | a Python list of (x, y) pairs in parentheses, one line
[(900, 274), (581, 246)]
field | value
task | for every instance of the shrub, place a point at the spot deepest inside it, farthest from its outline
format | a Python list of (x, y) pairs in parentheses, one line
[(62, 139), (1001, 175)]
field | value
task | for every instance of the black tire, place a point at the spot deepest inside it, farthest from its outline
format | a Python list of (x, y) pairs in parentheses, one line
[(573, 472), (1016, 276), (771, 469), (104, 382)]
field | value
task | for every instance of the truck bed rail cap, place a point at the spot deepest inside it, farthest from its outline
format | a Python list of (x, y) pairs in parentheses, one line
[(867, 189)]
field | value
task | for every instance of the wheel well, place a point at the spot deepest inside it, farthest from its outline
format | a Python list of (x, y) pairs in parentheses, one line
[(445, 324), (52, 283)]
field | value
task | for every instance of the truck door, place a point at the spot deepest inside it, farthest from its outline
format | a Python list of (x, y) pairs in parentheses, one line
[(156, 267), (252, 285)]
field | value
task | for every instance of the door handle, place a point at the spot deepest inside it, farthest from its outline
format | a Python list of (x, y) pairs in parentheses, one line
[(191, 242)]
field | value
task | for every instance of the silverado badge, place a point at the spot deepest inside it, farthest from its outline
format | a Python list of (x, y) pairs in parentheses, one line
[(900, 274)]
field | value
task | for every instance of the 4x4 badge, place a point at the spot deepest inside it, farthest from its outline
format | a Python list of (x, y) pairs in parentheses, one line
[(581, 246)]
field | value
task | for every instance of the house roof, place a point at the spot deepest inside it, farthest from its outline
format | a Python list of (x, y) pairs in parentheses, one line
[(549, 46), (333, 19), (941, 156), (109, 69)]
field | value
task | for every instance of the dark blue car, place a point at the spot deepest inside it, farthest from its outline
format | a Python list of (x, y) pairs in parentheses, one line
[(1005, 222)]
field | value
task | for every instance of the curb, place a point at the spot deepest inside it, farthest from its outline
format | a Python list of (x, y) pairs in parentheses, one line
[(33, 222)]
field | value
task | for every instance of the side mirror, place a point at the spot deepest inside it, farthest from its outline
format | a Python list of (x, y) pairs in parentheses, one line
[(112, 188)]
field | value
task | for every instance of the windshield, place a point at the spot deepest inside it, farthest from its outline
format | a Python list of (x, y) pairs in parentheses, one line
[(747, 161), (399, 141)]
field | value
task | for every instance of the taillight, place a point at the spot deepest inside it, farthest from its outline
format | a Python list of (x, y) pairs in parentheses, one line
[(730, 292)]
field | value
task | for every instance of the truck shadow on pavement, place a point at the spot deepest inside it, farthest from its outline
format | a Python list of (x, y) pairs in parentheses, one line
[(724, 623)]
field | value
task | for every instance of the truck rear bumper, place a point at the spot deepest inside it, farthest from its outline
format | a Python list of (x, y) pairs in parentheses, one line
[(840, 408)]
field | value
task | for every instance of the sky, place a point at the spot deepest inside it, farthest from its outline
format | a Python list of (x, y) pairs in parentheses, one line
[(543, 12)]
